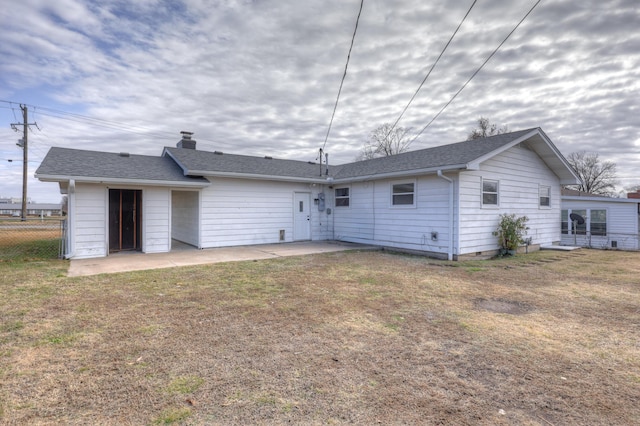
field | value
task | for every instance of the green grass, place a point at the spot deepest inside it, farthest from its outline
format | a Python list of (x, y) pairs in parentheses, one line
[(30, 250), (172, 415), (185, 385)]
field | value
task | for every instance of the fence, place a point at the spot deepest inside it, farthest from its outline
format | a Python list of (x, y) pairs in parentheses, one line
[(31, 239)]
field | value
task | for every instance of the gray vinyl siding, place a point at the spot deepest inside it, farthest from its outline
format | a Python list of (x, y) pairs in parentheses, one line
[(156, 236), (243, 212), (622, 223), (372, 219), (90, 221), (519, 172)]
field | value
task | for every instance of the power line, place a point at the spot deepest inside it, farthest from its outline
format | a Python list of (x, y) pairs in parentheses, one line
[(474, 74), (98, 122), (343, 77), (432, 67)]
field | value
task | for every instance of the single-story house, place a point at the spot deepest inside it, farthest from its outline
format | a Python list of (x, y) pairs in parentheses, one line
[(607, 223), (443, 201), (33, 209)]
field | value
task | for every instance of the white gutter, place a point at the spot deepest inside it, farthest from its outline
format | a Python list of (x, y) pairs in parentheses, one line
[(145, 182), (253, 176), (414, 172), (450, 250)]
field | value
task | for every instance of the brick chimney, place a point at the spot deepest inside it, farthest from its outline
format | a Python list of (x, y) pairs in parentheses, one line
[(633, 194), (186, 142)]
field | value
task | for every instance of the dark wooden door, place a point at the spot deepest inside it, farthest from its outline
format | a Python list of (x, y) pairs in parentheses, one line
[(125, 224)]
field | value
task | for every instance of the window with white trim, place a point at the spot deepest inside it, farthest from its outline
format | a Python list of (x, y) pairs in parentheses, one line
[(342, 197), (544, 194), (402, 194), (598, 222), (490, 192)]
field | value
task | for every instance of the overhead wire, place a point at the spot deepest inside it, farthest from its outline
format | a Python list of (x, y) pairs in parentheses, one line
[(475, 73), (98, 122), (432, 67), (344, 75)]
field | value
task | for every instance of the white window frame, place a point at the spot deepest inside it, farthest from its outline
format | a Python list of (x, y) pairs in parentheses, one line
[(392, 194), (347, 197), (497, 193), (606, 222), (540, 197)]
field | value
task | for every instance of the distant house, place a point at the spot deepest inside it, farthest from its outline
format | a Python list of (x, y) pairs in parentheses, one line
[(33, 209), (608, 222), (443, 201)]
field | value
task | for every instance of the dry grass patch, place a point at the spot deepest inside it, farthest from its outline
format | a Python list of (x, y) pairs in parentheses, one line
[(351, 337)]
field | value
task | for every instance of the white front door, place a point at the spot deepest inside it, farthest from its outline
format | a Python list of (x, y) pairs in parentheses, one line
[(301, 216)]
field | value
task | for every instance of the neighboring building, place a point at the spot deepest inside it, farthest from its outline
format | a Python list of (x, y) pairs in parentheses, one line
[(609, 223), (33, 209), (443, 201)]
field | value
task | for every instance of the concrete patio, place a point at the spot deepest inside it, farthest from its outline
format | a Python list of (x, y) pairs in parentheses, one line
[(183, 255)]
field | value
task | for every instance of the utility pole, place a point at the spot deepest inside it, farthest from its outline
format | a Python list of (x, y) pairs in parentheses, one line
[(25, 155)]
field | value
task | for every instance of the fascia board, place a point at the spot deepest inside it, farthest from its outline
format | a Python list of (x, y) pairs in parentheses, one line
[(145, 182), (406, 173), (600, 199), (252, 176), (185, 171)]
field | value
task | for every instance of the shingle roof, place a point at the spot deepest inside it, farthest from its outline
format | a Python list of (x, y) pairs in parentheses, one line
[(191, 162), (65, 162), (206, 162), (444, 156)]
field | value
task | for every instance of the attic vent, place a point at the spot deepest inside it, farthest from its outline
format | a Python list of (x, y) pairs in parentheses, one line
[(124, 154), (218, 152), (268, 157)]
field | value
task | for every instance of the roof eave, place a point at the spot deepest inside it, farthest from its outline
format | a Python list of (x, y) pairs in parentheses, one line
[(254, 176), (122, 181), (403, 174), (173, 157), (605, 199)]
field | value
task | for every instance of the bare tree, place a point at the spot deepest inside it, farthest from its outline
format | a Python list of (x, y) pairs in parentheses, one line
[(385, 141), (485, 128), (598, 177)]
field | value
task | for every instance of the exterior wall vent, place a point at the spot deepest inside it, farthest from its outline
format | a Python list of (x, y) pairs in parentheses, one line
[(614, 244), (282, 235)]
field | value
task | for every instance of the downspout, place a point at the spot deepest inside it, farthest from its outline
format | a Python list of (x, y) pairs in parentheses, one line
[(71, 213), (450, 250)]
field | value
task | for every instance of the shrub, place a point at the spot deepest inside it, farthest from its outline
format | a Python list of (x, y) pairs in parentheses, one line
[(510, 232)]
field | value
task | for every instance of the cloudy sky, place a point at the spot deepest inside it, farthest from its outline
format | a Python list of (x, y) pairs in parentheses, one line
[(260, 77)]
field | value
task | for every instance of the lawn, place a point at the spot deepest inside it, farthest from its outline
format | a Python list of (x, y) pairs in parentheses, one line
[(547, 338)]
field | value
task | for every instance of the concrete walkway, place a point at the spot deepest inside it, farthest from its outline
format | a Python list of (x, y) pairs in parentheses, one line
[(135, 261)]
